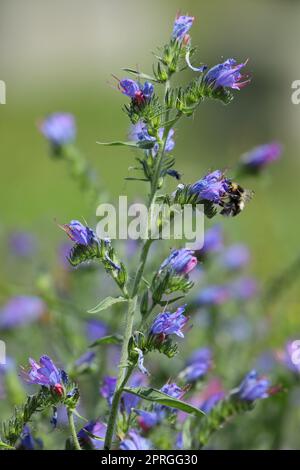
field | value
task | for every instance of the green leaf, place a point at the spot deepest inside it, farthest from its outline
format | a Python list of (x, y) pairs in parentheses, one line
[(106, 303), (143, 76), (151, 394), (143, 144), (3, 445), (113, 339)]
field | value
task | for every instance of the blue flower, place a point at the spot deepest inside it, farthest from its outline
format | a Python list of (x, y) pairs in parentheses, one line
[(212, 187), (253, 387), (261, 156), (140, 94), (95, 329), (97, 429), (197, 365), (108, 387), (167, 323), (45, 373), (173, 390), (235, 257), (180, 261), (213, 239), (28, 442), (80, 234), (290, 357), (227, 75), (130, 401), (181, 26), (213, 295), (86, 359), (135, 442), (21, 310), (147, 419), (139, 133), (22, 244), (59, 129), (244, 288)]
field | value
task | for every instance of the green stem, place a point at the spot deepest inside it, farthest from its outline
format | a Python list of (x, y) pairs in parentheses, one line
[(126, 369), (123, 375), (73, 430)]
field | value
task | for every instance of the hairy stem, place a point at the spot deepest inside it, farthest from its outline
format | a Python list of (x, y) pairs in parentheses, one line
[(123, 375), (73, 430)]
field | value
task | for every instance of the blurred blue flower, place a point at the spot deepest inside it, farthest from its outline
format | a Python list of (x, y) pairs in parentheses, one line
[(167, 323), (86, 359), (227, 75), (135, 442), (20, 311), (130, 401), (253, 387), (235, 257), (213, 295), (197, 365), (108, 387), (97, 429), (59, 128), (244, 288), (213, 240), (95, 329), (28, 442), (290, 357), (147, 419), (22, 244), (260, 157)]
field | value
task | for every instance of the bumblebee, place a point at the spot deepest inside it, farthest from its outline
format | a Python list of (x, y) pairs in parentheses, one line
[(235, 200)]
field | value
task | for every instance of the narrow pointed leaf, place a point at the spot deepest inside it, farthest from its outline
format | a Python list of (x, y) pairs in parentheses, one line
[(151, 394), (106, 303), (113, 339)]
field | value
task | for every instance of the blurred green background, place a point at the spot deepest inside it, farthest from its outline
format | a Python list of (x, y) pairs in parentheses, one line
[(59, 56)]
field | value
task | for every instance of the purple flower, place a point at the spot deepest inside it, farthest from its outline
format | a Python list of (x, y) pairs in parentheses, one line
[(211, 395), (181, 26), (213, 295), (45, 373), (135, 442), (173, 390), (244, 288), (108, 387), (22, 244), (59, 129), (170, 323), (212, 187), (139, 93), (253, 387), (213, 239), (86, 359), (261, 156), (197, 365), (130, 401), (227, 75), (139, 133), (28, 442), (147, 419), (95, 329), (80, 234), (290, 357), (180, 261), (235, 257), (97, 429), (20, 311)]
